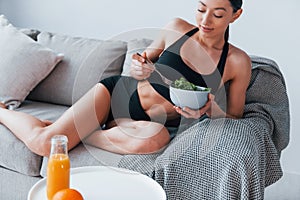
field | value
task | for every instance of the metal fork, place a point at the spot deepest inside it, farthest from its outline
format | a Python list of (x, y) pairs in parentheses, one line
[(164, 79)]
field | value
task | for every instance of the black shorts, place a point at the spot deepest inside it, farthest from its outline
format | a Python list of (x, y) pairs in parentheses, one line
[(125, 102)]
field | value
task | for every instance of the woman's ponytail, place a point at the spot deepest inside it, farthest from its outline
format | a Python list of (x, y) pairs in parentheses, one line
[(236, 5), (226, 35)]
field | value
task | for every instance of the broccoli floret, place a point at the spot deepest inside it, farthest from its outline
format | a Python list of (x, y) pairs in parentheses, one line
[(182, 83)]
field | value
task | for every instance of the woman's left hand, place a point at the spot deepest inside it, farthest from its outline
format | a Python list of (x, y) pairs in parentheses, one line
[(196, 114)]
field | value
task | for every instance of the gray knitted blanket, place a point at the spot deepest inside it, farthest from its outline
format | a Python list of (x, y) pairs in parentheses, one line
[(227, 158)]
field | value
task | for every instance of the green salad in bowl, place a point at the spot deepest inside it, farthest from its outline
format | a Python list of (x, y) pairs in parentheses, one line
[(186, 94), (183, 84)]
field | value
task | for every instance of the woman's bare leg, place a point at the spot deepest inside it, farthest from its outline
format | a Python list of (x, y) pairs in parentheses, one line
[(131, 137), (76, 123)]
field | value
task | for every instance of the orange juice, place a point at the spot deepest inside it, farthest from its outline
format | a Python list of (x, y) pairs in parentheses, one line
[(58, 174)]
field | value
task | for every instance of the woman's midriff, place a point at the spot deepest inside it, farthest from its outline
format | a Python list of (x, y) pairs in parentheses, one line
[(153, 103)]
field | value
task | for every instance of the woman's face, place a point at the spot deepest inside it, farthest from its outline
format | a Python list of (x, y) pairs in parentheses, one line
[(213, 17)]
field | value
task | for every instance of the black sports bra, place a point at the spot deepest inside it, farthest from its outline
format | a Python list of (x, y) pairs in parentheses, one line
[(171, 65)]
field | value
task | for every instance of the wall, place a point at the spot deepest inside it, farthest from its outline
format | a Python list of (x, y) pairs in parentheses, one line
[(93, 18), (267, 28)]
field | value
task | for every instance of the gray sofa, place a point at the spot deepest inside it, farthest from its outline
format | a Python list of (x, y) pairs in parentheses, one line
[(210, 159)]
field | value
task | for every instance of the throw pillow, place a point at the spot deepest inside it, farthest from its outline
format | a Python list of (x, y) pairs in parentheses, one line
[(23, 64), (86, 62), (3, 21), (133, 46)]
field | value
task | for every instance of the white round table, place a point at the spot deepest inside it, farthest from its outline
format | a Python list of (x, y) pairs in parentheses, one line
[(102, 182)]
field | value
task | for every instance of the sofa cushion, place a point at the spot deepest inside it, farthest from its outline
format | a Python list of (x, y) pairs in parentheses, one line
[(32, 33), (15, 155), (86, 62), (3, 21), (23, 64), (133, 46)]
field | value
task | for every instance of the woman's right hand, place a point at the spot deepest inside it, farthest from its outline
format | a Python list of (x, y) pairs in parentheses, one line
[(140, 69), (197, 113)]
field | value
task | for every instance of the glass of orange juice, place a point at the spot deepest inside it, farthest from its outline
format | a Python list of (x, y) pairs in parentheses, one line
[(58, 169)]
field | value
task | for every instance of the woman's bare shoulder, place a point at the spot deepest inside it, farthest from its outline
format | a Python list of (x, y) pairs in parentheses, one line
[(174, 30), (179, 25), (238, 57), (238, 64)]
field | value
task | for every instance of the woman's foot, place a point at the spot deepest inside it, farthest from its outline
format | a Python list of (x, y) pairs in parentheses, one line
[(2, 105)]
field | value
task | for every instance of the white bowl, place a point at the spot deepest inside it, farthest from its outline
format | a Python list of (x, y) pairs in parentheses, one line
[(193, 99)]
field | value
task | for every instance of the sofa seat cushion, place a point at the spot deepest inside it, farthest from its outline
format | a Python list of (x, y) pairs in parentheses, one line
[(15, 155), (86, 61)]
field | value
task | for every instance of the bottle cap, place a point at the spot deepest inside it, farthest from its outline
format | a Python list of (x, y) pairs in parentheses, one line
[(59, 139)]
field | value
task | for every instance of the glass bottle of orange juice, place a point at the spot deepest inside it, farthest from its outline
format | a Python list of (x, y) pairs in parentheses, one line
[(58, 169)]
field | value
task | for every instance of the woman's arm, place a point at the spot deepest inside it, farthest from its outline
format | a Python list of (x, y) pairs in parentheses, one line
[(239, 74), (170, 33), (139, 68), (241, 70)]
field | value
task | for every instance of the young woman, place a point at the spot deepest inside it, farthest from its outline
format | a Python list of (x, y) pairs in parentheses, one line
[(138, 125)]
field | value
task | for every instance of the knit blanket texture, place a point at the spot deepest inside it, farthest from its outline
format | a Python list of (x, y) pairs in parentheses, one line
[(219, 159)]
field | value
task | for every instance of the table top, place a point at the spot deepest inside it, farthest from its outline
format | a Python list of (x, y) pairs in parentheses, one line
[(103, 182)]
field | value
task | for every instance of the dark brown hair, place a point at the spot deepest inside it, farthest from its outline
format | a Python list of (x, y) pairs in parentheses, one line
[(236, 5)]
